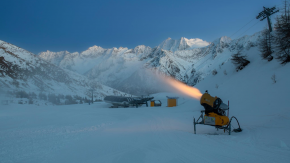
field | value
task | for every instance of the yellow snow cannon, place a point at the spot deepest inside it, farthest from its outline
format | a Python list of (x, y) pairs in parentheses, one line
[(214, 114), (214, 110)]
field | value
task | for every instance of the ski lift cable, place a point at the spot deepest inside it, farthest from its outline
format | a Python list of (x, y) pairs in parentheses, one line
[(282, 5), (238, 37), (249, 28), (232, 35), (242, 27), (204, 62)]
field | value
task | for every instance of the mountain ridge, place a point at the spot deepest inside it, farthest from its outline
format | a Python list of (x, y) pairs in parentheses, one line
[(22, 70), (177, 58)]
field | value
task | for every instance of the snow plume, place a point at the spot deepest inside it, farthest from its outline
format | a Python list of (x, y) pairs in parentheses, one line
[(183, 88), (142, 82), (151, 81), (169, 84)]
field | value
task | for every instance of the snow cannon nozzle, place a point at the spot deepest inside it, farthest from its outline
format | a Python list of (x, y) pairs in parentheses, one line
[(212, 104)]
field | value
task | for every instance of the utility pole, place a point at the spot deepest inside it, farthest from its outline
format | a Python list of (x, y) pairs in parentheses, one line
[(266, 13)]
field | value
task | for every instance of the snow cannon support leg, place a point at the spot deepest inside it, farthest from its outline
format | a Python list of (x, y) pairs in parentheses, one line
[(230, 128), (194, 124)]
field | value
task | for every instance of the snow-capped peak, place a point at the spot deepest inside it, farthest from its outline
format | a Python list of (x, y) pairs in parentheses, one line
[(196, 42), (225, 39), (141, 49), (222, 40), (53, 57), (93, 51), (182, 44), (95, 48)]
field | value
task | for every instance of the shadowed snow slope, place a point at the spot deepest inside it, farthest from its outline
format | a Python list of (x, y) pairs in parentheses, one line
[(97, 133)]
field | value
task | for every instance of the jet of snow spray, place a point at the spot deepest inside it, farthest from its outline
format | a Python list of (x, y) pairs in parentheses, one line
[(183, 88), (166, 83)]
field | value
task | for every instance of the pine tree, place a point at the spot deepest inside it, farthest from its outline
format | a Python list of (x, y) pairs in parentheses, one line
[(265, 45), (42, 96), (7, 68), (240, 61), (282, 37), (3, 66)]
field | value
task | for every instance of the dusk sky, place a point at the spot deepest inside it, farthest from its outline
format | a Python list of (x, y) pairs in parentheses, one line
[(75, 25)]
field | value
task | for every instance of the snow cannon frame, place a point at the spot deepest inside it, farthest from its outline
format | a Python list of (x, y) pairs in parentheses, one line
[(215, 114)]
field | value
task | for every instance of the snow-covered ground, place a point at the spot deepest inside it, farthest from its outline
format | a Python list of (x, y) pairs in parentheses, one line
[(97, 133)]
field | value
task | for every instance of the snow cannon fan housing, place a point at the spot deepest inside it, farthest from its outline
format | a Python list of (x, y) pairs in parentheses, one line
[(214, 110), (212, 104)]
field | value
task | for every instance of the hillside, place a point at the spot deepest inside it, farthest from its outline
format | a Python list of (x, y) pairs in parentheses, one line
[(24, 71)]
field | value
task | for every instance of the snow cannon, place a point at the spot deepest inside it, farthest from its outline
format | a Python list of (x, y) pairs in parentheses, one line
[(214, 110), (214, 114), (212, 104)]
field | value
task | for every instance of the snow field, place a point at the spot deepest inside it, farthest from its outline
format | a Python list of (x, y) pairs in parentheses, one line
[(97, 133)]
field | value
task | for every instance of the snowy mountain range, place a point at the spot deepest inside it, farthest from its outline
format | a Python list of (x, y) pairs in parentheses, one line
[(22, 70), (188, 60)]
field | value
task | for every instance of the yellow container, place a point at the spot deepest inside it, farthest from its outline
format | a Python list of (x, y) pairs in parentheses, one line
[(152, 103), (171, 102)]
